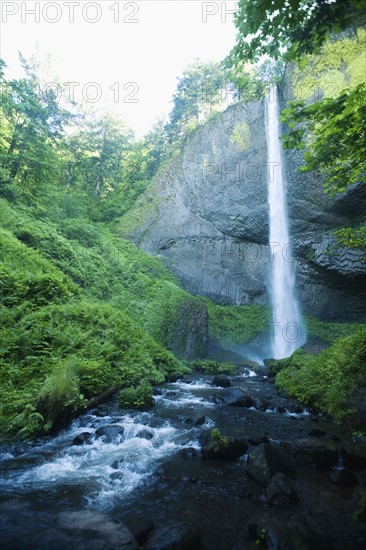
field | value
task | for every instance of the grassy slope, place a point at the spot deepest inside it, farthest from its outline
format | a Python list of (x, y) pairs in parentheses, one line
[(81, 310)]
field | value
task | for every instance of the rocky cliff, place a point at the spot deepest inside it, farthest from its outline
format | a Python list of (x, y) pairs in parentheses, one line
[(206, 215)]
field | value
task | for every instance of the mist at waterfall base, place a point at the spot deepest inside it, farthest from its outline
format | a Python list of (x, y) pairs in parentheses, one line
[(289, 331)]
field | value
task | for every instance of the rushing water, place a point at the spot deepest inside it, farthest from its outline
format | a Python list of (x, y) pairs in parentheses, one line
[(288, 327), (142, 467), (105, 470)]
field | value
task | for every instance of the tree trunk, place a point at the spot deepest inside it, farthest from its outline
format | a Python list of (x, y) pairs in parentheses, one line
[(70, 176)]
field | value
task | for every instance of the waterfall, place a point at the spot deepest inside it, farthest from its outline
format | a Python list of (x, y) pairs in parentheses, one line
[(288, 331)]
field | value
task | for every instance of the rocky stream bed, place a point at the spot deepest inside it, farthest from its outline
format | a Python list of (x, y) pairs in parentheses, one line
[(285, 478)]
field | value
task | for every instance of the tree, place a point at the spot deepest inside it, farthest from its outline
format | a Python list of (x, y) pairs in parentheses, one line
[(33, 122), (333, 134), (290, 28), (199, 93), (96, 150)]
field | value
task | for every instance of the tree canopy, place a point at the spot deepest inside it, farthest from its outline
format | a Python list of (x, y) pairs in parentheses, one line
[(333, 132), (289, 28)]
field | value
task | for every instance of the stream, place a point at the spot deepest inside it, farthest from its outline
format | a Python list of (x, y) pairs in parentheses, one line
[(127, 462)]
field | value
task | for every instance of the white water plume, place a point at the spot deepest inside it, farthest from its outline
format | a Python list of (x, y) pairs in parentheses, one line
[(289, 331)]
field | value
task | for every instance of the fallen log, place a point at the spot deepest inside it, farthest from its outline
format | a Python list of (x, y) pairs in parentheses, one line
[(94, 401)]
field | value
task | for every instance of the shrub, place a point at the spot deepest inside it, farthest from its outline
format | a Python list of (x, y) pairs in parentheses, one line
[(328, 378), (60, 399), (140, 397), (219, 441), (211, 367)]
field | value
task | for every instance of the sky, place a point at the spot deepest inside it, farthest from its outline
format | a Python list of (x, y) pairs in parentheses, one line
[(117, 55)]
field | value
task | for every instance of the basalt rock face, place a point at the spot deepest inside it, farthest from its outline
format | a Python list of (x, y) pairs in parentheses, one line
[(206, 216)]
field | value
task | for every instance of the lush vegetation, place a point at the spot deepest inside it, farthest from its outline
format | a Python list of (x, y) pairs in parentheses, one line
[(290, 28), (326, 380), (82, 309), (237, 324), (207, 366), (329, 70), (139, 397)]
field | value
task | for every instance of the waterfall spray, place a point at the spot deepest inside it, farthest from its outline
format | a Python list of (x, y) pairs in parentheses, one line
[(289, 331)]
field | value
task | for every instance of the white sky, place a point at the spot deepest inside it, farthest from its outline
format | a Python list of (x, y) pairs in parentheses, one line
[(147, 43)]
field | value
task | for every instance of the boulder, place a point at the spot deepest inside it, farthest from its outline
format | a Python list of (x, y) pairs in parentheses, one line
[(82, 438), (290, 533), (174, 536), (189, 453), (229, 396), (221, 381), (140, 526), (245, 401), (266, 460), (323, 453), (316, 432), (343, 477), (258, 439), (200, 420), (110, 432), (354, 453), (88, 527), (281, 491), (232, 450), (174, 377), (193, 420), (145, 434)]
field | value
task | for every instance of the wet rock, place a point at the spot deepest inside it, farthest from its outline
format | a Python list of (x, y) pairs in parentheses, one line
[(174, 377), (233, 449), (354, 453), (204, 437), (245, 401), (281, 491), (358, 504), (257, 440), (82, 438), (316, 432), (110, 432), (189, 453), (264, 405), (100, 413), (140, 526), (343, 477), (322, 453), (266, 460), (89, 526), (200, 420), (145, 434), (157, 391), (229, 396), (221, 381), (289, 533), (116, 475), (176, 536)]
